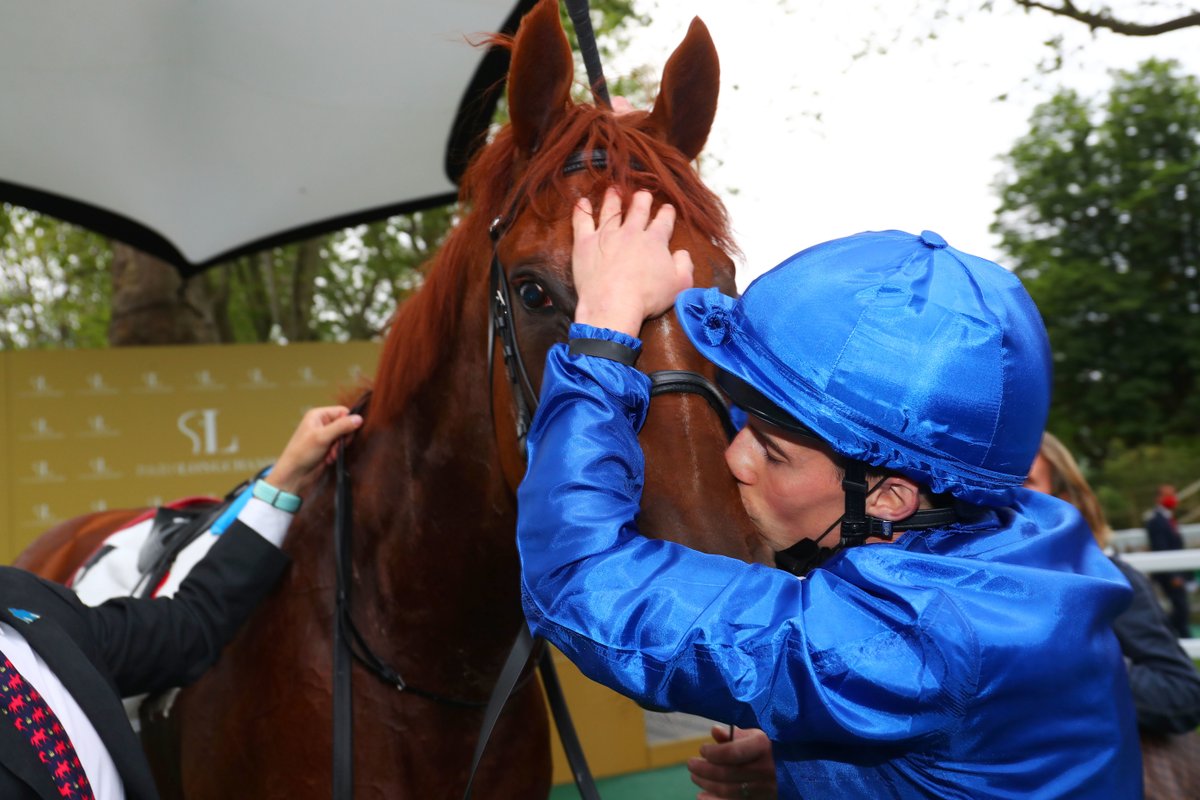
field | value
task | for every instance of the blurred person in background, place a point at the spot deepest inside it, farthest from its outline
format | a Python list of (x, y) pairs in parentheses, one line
[(1162, 529), (1165, 684)]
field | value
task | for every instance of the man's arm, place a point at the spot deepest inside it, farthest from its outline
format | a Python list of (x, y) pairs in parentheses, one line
[(153, 644)]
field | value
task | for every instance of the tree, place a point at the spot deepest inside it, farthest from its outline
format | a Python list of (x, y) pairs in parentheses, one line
[(54, 287), (331, 288), (151, 304), (1149, 19), (1100, 215)]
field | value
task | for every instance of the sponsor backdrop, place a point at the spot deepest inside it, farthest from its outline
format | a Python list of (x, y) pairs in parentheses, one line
[(88, 430)]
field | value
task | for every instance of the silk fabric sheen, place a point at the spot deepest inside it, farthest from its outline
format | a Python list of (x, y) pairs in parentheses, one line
[(898, 350), (975, 661)]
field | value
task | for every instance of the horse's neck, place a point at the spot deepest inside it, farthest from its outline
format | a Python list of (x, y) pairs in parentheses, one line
[(434, 555)]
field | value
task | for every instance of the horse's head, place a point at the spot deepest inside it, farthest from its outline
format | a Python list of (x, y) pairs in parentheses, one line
[(555, 152), (529, 178)]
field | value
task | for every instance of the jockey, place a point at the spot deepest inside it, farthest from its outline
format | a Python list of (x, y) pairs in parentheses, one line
[(938, 631)]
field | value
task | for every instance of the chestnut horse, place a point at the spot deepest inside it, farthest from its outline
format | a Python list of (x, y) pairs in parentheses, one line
[(435, 467)]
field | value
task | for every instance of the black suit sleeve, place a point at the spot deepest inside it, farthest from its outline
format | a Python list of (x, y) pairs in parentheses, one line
[(1166, 686), (148, 645)]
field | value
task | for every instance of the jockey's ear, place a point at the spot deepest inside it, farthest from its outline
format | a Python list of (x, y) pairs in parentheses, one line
[(539, 78), (896, 499)]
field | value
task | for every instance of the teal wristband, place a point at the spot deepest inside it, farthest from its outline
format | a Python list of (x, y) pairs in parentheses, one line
[(284, 501)]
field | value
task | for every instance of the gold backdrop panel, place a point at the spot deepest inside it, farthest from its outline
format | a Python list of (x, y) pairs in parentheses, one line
[(88, 430)]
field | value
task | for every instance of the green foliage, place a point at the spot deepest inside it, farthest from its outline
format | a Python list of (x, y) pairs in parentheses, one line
[(1101, 218), (54, 288), (368, 269), (1128, 481), (339, 287)]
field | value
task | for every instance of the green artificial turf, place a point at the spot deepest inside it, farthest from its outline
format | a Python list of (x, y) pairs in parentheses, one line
[(670, 783)]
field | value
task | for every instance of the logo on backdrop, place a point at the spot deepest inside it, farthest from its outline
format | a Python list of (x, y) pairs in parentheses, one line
[(200, 427), (40, 428), (255, 379), (152, 383), (206, 381), (97, 426), (40, 386), (99, 469), (42, 472), (96, 385)]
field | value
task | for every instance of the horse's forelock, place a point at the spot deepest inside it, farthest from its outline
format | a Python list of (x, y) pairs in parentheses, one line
[(424, 325), (636, 159)]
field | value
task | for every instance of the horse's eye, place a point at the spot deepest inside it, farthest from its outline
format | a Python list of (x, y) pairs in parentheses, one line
[(533, 296)]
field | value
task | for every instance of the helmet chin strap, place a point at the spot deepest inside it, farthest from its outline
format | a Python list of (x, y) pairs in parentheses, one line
[(857, 527)]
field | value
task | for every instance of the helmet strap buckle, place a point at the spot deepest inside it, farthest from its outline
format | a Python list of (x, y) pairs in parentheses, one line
[(855, 526)]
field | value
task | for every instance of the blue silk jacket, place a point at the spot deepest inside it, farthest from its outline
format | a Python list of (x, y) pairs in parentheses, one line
[(974, 661)]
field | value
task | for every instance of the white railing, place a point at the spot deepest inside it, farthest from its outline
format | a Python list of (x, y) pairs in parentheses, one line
[(1132, 544), (1133, 540)]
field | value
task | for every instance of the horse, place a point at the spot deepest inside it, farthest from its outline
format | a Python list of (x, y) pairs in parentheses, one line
[(435, 467), (57, 553)]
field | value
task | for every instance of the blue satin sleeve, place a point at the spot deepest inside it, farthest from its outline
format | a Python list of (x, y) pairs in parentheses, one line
[(819, 659)]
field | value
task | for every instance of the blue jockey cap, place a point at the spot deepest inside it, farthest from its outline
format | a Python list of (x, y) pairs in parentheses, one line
[(898, 351)]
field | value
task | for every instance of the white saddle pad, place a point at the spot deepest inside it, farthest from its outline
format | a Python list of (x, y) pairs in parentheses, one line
[(115, 573)]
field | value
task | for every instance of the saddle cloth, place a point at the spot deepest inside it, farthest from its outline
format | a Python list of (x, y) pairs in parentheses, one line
[(150, 557), (132, 558)]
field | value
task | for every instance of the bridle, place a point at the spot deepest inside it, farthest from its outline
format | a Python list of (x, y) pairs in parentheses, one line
[(502, 327)]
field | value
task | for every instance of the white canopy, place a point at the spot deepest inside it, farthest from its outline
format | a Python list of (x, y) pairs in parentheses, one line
[(200, 130)]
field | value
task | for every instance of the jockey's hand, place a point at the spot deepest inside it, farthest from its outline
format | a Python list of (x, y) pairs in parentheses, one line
[(313, 444), (624, 270), (741, 767)]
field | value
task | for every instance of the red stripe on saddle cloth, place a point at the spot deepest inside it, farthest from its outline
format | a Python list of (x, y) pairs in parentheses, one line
[(174, 505)]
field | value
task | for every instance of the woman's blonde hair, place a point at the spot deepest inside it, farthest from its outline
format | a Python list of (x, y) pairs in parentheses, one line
[(1068, 483)]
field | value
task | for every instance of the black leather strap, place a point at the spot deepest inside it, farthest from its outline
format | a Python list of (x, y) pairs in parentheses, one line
[(603, 348), (582, 20), (343, 704), (524, 650), (566, 728), (682, 381), (510, 674)]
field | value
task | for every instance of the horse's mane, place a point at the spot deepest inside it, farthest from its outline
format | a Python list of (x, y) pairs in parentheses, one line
[(428, 322)]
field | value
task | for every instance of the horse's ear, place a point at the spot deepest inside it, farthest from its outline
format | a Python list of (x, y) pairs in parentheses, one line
[(687, 99), (539, 78)]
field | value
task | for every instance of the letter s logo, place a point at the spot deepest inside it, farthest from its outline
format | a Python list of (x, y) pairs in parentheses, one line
[(200, 427)]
